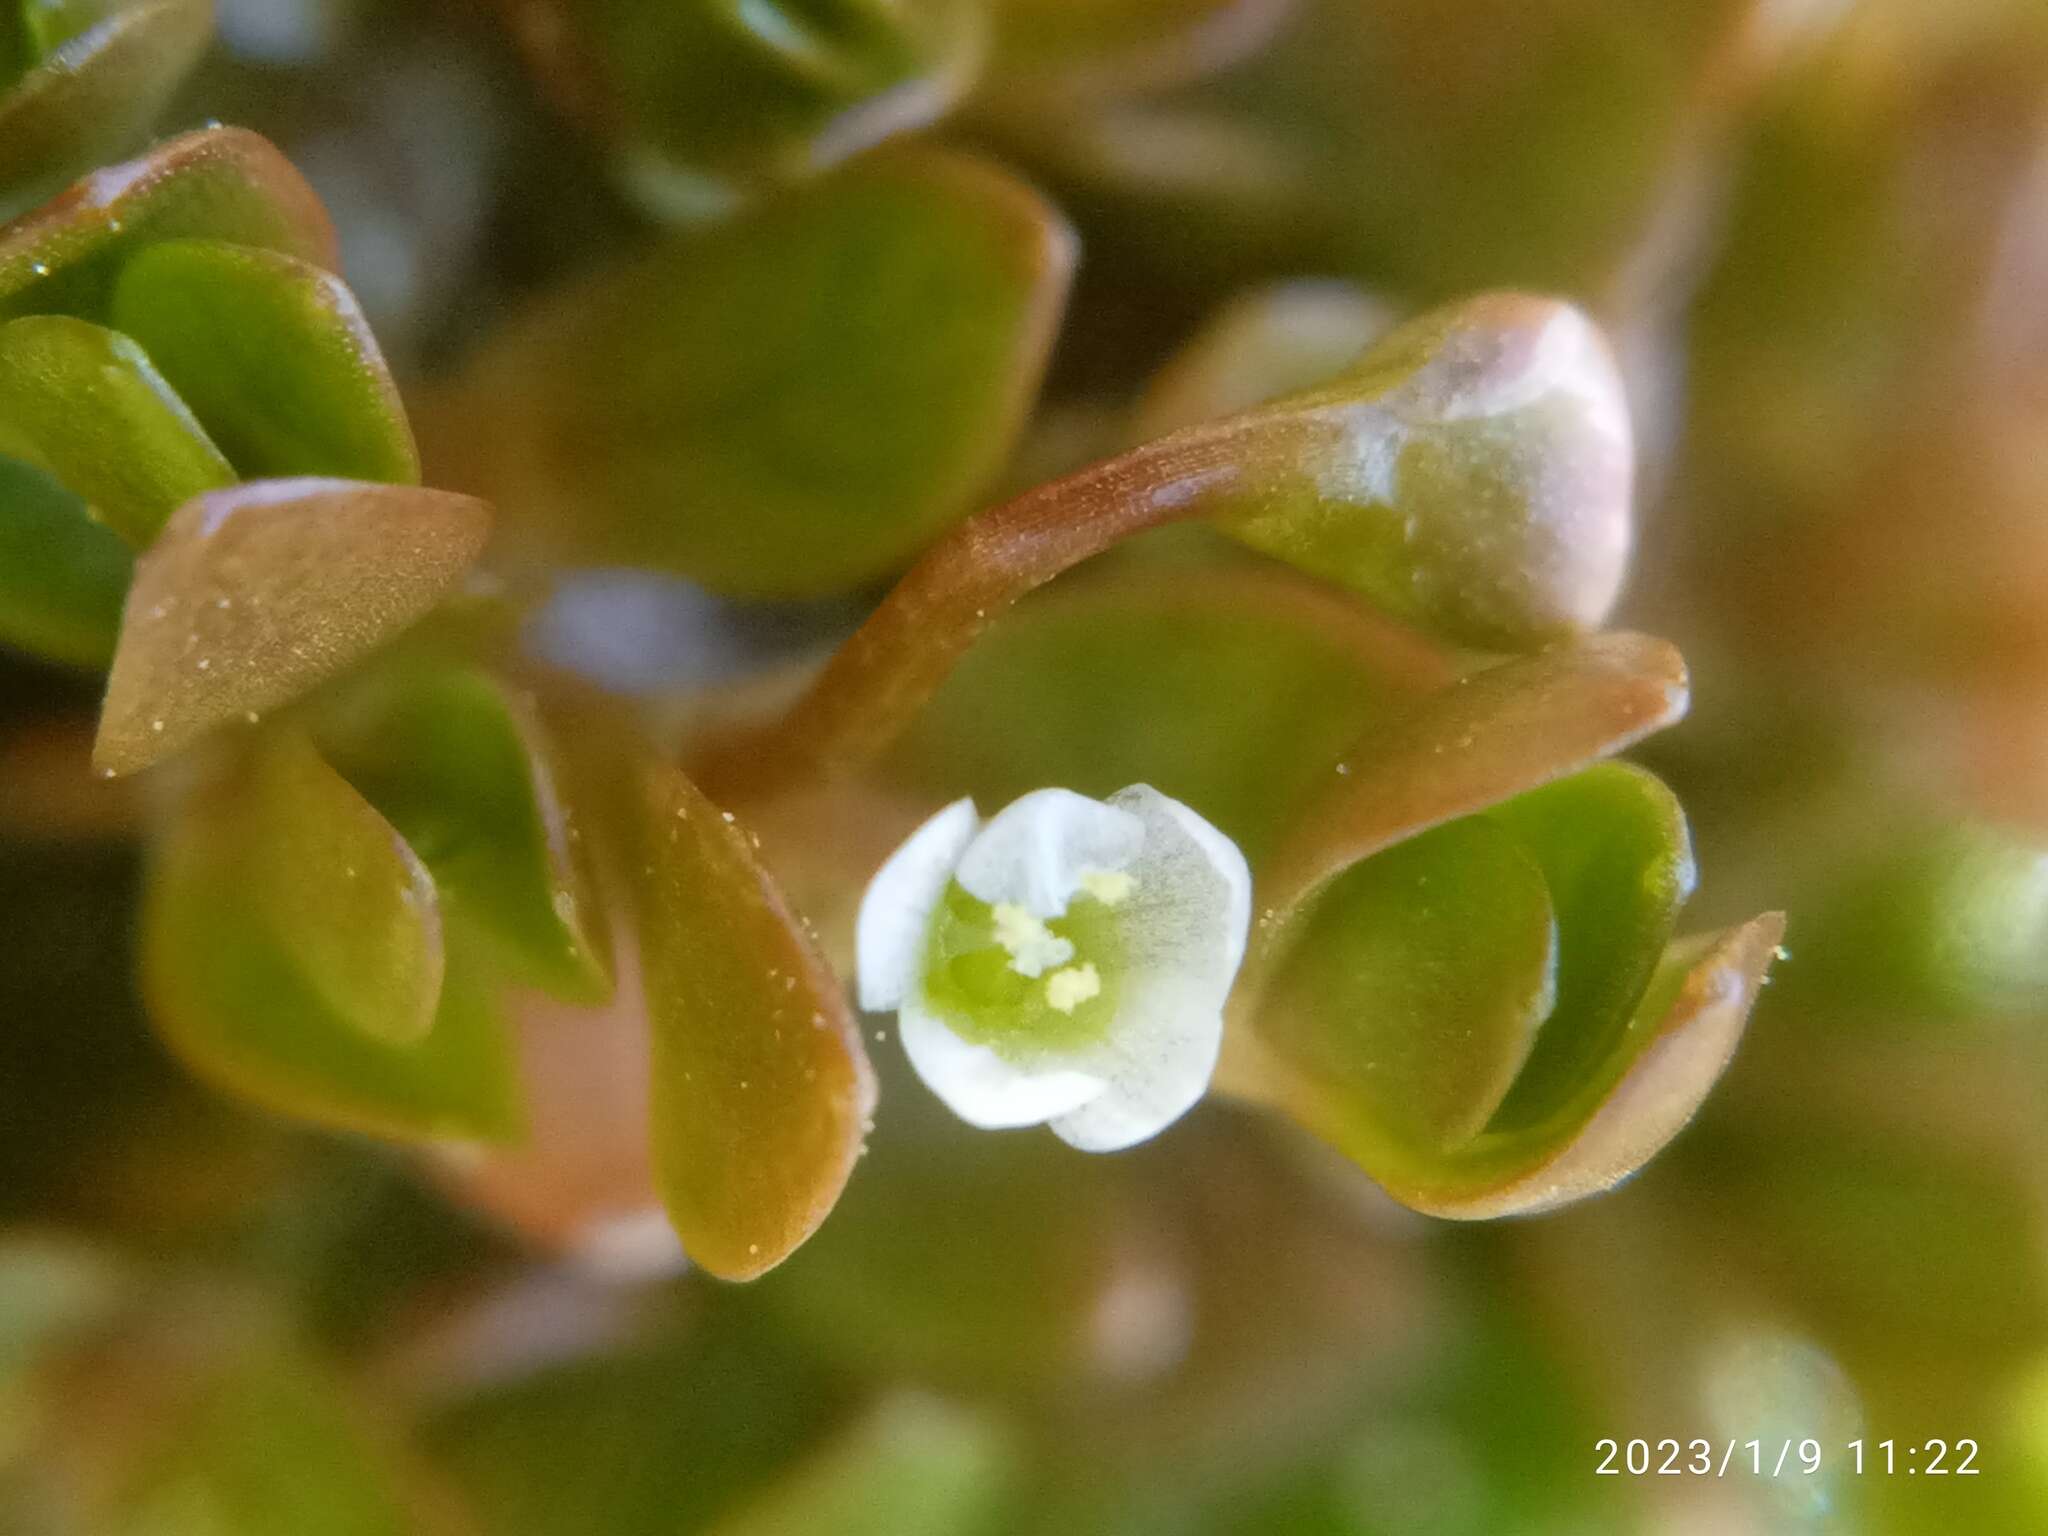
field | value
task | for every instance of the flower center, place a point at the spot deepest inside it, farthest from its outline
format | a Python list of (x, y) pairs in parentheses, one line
[(1022, 985)]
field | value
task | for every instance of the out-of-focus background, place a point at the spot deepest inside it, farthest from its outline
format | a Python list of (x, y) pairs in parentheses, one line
[(1817, 231)]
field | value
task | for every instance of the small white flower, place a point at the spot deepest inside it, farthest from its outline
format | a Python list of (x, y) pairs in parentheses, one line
[(1066, 963)]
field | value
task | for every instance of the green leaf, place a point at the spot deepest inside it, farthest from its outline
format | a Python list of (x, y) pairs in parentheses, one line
[(1616, 857), (915, 1466), (88, 404), (92, 86), (242, 986), (215, 184), (1679, 1040), (789, 404), (1229, 687), (256, 594), (274, 355), (348, 901), (465, 771), (708, 96), (1628, 1052), (1418, 984), (761, 1087), (63, 575)]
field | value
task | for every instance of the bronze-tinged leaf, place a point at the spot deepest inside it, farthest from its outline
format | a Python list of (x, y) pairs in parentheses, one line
[(762, 1090), (1495, 734), (215, 184), (293, 952), (95, 94), (255, 594), (1683, 1039)]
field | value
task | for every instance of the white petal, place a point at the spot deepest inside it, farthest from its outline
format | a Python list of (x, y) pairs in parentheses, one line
[(1034, 851), (1184, 925), (1170, 862), (978, 1085), (896, 913), (1145, 1096)]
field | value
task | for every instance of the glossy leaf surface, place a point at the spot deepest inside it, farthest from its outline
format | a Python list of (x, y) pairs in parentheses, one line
[(93, 83), (256, 594), (1616, 856), (790, 404), (761, 1087), (465, 771), (274, 355), (215, 184), (89, 405), (242, 978), (1416, 991), (63, 576)]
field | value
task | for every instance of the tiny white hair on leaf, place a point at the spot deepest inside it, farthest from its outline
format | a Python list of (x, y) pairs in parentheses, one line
[(1179, 895)]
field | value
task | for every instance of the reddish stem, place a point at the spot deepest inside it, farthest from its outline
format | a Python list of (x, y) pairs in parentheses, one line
[(876, 682)]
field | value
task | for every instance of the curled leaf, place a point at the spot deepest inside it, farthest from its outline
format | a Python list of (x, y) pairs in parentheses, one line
[(1417, 988), (789, 404), (1456, 964), (464, 769), (761, 1088), (274, 355), (1471, 474), (214, 184), (312, 1000), (63, 574), (1677, 1048), (255, 594), (89, 405), (92, 88)]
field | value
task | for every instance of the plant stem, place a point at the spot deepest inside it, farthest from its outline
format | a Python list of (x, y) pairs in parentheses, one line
[(875, 684)]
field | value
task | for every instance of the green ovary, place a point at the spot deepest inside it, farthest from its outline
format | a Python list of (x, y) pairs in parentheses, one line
[(975, 976)]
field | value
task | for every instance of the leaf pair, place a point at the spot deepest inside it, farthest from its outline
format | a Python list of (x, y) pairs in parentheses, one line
[(1461, 972), (326, 932)]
